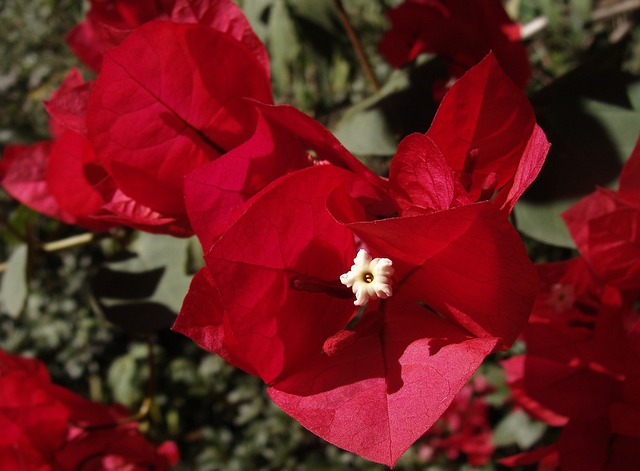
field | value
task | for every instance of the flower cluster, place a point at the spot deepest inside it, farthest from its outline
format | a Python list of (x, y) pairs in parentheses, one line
[(158, 109), (441, 278), (47, 427), (582, 366), (463, 428)]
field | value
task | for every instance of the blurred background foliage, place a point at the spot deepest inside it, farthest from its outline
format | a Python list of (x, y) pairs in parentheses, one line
[(85, 310)]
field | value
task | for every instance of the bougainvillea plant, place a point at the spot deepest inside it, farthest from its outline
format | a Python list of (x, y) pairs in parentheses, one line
[(382, 293), (274, 298)]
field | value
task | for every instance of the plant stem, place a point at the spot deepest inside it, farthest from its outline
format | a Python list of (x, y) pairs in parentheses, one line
[(533, 27), (357, 45), (615, 9), (151, 366), (73, 241)]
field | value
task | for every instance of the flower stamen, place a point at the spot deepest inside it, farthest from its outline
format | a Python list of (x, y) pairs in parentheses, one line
[(369, 278)]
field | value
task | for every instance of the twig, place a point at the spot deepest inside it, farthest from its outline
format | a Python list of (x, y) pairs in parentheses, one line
[(73, 241), (151, 367), (615, 9), (533, 27), (357, 45)]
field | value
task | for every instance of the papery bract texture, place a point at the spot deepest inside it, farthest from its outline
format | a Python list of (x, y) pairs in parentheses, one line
[(23, 174), (162, 107), (284, 140), (39, 175), (483, 144), (71, 159), (68, 103), (486, 129)]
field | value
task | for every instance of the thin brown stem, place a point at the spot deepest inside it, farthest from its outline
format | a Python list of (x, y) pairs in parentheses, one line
[(357, 45), (151, 368)]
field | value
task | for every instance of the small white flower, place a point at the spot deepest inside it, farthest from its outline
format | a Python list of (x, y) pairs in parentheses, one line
[(369, 278)]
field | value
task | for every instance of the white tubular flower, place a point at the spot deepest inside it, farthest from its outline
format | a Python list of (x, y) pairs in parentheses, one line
[(369, 278)]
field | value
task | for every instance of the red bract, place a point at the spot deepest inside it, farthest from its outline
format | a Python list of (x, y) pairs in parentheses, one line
[(162, 107), (581, 365), (23, 173), (606, 228), (127, 140), (462, 32), (46, 427), (109, 22), (39, 175), (485, 132), (33, 424), (284, 140)]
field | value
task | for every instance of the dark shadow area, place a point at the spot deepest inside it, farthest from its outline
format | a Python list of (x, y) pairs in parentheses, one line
[(412, 109), (140, 318), (582, 153)]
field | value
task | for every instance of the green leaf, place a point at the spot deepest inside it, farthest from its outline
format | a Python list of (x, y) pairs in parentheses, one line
[(118, 284), (403, 105), (364, 128), (143, 291), (14, 287), (172, 253), (518, 429), (543, 222), (283, 43), (319, 12), (122, 379), (255, 11), (159, 252), (591, 139), (582, 8)]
